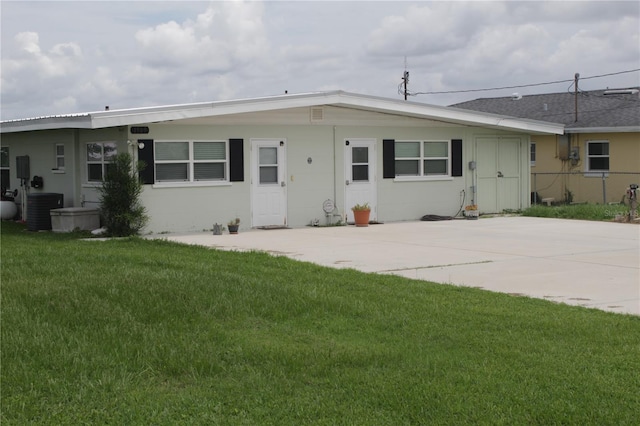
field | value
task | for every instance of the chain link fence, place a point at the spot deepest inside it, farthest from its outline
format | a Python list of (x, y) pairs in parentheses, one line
[(581, 187)]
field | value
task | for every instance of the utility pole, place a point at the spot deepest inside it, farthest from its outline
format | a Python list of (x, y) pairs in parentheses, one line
[(576, 77)]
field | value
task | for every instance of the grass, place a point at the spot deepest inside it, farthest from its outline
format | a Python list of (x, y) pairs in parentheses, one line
[(578, 211), (150, 332)]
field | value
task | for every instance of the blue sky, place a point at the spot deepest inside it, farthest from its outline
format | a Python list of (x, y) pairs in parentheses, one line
[(76, 56)]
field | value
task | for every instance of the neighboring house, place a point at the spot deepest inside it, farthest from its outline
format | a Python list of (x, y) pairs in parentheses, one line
[(275, 161), (599, 154)]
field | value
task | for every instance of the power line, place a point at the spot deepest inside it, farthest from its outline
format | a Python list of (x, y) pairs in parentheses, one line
[(520, 86)]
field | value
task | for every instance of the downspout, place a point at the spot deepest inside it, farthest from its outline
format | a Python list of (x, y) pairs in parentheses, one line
[(335, 183), (77, 175)]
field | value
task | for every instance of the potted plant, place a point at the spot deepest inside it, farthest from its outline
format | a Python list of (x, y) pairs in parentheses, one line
[(471, 211), (233, 225), (361, 214)]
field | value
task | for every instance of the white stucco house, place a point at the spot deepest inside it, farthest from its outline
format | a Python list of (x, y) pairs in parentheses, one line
[(275, 161)]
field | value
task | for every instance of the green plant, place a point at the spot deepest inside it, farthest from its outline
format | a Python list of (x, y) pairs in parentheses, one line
[(234, 222), (578, 211), (568, 196), (122, 212), (361, 207)]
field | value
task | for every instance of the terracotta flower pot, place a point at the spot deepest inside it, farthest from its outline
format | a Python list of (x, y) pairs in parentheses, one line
[(361, 217)]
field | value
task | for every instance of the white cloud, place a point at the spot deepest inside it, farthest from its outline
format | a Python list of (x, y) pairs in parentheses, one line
[(226, 35), (29, 42), (127, 54), (420, 31), (473, 45), (60, 60), (33, 75)]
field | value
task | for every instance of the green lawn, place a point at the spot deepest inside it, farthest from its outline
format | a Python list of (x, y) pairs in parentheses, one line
[(148, 332), (578, 211)]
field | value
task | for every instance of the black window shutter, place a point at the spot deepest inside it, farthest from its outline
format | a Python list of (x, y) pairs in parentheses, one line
[(388, 158), (456, 157), (145, 155), (236, 160)]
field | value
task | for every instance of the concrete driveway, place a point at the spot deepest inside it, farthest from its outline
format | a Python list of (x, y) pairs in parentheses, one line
[(591, 264)]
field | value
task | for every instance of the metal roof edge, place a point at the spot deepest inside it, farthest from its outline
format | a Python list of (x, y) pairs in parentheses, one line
[(132, 116), (621, 129), (457, 115), (72, 121)]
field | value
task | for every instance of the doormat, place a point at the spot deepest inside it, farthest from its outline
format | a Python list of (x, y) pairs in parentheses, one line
[(269, 227)]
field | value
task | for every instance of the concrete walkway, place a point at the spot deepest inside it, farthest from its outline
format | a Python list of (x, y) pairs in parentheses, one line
[(591, 264)]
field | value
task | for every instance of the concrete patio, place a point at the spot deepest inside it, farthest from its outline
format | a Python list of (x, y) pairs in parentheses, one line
[(585, 263)]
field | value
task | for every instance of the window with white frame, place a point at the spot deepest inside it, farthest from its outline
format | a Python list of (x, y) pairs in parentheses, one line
[(191, 161), (422, 158), (59, 157), (597, 156), (99, 155), (533, 154), (4, 167)]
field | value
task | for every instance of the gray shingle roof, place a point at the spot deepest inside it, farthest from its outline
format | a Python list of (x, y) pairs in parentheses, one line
[(595, 109)]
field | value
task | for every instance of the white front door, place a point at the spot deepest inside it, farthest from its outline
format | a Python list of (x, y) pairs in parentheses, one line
[(498, 174), (360, 174), (268, 182)]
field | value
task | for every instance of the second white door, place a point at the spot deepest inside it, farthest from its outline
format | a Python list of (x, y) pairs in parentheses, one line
[(360, 174)]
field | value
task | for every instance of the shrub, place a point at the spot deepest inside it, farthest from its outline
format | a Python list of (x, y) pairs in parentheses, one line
[(361, 207), (120, 206)]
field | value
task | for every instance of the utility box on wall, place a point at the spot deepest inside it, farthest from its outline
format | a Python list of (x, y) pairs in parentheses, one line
[(563, 147), (22, 167)]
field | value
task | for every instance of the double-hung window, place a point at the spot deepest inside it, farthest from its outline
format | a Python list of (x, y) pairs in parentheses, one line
[(4, 167), (422, 158), (191, 161), (532, 157), (99, 155), (597, 156), (59, 157)]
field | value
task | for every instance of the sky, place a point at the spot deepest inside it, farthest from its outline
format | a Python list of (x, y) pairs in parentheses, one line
[(79, 56)]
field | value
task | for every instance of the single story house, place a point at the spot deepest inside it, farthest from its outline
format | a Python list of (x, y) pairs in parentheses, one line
[(598, 155), (285, 160)]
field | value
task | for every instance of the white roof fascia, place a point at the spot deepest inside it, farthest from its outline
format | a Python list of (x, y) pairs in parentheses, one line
[(76, 121), (200, 110), (624, 129), (133, 116), (451, 115)]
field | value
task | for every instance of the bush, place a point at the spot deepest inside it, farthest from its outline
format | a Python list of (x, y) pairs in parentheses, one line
[(120, 206), (578, 211)]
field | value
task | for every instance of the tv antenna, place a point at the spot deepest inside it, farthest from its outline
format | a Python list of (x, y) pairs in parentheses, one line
[(405, 79)]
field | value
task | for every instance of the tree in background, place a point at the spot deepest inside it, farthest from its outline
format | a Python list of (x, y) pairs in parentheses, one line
[(120, 206)]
